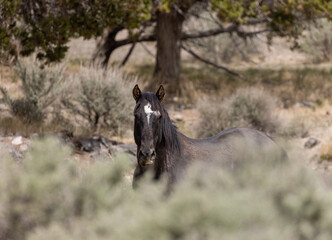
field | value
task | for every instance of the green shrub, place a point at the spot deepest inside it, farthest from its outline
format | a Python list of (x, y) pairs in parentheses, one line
[(50, 188), (101, 98), (40, 88), (47, 197), (248, 107)]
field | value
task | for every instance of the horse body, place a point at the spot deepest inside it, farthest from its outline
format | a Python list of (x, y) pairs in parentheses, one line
[(164, 150)]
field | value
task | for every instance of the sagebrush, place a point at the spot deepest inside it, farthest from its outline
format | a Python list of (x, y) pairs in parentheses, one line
[(102, 98), (41, 86), (47, 197), (49, 188), (247, 107)]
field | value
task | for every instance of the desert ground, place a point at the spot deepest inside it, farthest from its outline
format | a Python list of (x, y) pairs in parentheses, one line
[(63, 174), (274, 69)]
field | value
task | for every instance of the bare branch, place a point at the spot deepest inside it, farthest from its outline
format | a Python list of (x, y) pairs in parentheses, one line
[(128, 54), (256, 21), (209, 33), (186, 36), (146, 38), (113, 44), (147, 50), (212, 63), (244, 34)]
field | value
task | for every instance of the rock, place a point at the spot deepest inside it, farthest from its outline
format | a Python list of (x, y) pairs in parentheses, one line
[(180, 107), (16, 154), (296, 105), (304, 104), (178, 117), (87, 144), (308, 104), (312, 142), (24, 147), (17, 140), (305, 134), (84, 144)]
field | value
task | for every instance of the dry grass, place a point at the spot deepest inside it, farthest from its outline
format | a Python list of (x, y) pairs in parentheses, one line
[(317, 42), (13, 126), (309, 118), (288, 85), (9, 80), (326, 151)]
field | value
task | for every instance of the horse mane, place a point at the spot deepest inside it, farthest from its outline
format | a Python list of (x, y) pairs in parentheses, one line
[(168, 132)]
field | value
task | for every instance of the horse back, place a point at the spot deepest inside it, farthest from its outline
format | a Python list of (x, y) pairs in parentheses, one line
[(235, 145)]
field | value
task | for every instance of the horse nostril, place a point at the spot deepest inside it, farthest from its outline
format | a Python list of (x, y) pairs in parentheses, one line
[(153, 154), (148, 153), (143, 153), (146, 157)]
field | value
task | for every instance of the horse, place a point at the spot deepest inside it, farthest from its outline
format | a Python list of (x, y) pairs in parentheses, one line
[(164, 150)]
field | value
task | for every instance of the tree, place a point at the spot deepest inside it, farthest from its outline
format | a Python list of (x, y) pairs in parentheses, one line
[(45, 26)]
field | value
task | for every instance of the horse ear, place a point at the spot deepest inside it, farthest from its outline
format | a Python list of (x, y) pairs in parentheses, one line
[(136, 93), (161, 93)]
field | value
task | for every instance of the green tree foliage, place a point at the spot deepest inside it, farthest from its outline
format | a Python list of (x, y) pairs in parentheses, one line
[(45, 27), (286, 17)]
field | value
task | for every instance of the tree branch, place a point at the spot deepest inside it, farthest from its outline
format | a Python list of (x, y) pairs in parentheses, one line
[(186, 36), (107, 46), (244, 34), (128, 54), (256, 21), (113, 44), (212, 63), (147, 38), (209, 33), (147, 50)]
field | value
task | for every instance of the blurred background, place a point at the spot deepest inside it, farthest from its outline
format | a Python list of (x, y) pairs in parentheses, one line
[(67, 153)]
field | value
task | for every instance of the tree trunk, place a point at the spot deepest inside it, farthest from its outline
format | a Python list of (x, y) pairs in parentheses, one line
[(168, 59)]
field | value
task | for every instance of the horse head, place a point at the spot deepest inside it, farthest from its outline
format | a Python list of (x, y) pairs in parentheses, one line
[(148, 114)]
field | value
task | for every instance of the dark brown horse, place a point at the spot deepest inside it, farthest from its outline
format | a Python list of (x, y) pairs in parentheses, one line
[(162, 149)]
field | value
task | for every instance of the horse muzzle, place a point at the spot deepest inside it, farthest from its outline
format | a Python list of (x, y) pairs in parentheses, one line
[(146, 158), (148, 162)]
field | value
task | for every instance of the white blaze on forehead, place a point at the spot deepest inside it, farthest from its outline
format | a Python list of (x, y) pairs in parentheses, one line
[(148, 111)]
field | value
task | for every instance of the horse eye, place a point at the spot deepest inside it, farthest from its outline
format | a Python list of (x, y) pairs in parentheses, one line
[(136, 109)]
